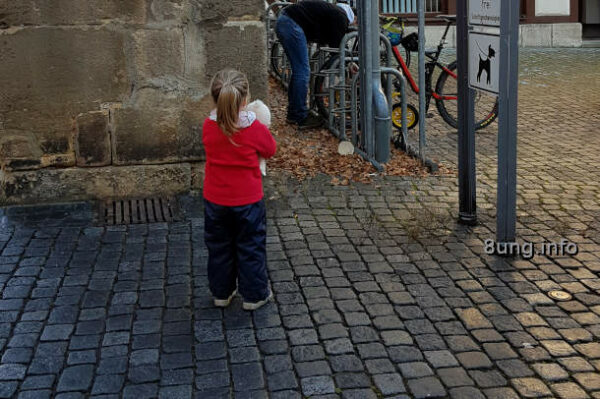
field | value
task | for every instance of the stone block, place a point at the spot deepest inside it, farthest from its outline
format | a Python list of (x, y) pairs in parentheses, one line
[(197, 176), (159, 128), (73, 69), (238, 9), (71, 12), (169, 10), (536, 35), (19, 152), (92, 139), (247, 55), (144, 136), (567, 35), (158, 56), (48, 75), (59, 160), (195, 56), (73, 184)]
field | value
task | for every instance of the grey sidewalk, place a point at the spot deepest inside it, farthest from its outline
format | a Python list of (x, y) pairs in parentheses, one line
[(378, 292)]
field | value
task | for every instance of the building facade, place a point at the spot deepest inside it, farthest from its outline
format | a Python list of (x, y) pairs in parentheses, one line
[(545, 23)]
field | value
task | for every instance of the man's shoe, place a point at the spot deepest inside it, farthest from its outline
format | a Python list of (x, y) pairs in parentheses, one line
[(223, 303), (256, 305), (311, 122)]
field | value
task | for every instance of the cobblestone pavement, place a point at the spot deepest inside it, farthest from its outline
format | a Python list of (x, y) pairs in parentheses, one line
[(378, 292)]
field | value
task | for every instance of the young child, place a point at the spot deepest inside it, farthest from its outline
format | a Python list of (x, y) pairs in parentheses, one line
[(235, 215)]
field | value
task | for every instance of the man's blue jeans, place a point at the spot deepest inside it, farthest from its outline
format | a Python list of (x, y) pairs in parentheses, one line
[(294, 43)]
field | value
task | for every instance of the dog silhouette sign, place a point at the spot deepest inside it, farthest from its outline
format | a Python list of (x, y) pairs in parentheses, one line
[(484, 61)]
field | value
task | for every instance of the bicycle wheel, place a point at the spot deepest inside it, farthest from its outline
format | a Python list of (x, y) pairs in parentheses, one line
[(486, 105), (412, 116), (404, 53), (278, 61), (322, 84)]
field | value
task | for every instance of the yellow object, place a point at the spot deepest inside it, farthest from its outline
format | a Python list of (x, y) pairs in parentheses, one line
[(389, 26), (411, 116)]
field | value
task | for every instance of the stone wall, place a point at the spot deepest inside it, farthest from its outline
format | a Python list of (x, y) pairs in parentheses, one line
[(101, 97)]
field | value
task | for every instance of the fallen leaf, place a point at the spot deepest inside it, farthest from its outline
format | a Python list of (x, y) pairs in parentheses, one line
[(308, 153)]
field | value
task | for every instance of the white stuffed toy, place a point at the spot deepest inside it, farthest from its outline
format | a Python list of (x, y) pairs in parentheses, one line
[(263, 114)]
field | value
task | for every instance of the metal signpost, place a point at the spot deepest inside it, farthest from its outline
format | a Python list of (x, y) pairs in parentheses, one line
[(467, 213), (506, 216), (489, 61), (422, 113), (375, 112)]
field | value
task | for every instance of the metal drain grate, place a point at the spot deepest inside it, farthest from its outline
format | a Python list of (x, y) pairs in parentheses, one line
[(138, 211)]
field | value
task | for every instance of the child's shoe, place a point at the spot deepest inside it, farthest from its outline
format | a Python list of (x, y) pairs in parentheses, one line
[(256, 305), (223, 303)]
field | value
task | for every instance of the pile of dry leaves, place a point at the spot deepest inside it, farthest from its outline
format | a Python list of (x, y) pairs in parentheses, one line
[(308, 153)]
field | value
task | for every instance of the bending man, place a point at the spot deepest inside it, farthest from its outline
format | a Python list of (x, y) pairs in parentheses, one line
[(308, 21)]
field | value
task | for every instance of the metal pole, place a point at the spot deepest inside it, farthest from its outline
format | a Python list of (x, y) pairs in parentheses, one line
[(467, 196), (353, 110), (507, 119), (381, 108), (366, 76), (422, 127)]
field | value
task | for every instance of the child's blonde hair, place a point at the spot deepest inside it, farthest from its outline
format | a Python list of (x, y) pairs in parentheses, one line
[(229, 90)]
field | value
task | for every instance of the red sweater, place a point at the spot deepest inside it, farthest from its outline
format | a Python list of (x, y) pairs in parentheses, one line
[(232, 176)]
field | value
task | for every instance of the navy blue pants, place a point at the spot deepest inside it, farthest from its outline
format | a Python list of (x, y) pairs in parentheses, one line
[(236, 238)]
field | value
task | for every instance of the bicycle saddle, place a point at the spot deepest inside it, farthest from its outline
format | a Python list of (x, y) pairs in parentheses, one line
[(447, 18)]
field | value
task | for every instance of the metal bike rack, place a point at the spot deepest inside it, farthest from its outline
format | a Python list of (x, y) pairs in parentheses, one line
[(366, 144), (340, 113), (342, 129), (354, 109)]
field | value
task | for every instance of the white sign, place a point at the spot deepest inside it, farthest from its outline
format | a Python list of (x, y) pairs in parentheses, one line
[(485, 12), (484, 61)]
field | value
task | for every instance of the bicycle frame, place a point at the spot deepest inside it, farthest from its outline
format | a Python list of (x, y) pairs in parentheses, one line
[(429, 68)]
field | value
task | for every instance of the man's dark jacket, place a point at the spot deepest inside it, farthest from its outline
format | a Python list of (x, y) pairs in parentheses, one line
[(323, 23)]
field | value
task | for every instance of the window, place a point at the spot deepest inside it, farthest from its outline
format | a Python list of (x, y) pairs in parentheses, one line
[(409, 6)]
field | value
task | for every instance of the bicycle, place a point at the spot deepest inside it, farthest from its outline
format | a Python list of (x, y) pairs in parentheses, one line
[(446, 88), (395, 34), (319, 61), (323, 80)]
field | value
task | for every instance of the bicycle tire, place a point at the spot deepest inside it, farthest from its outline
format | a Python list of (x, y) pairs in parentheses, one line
[(486, 106), (405, 54), (321, 88), (277, 54), (412, 116)]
